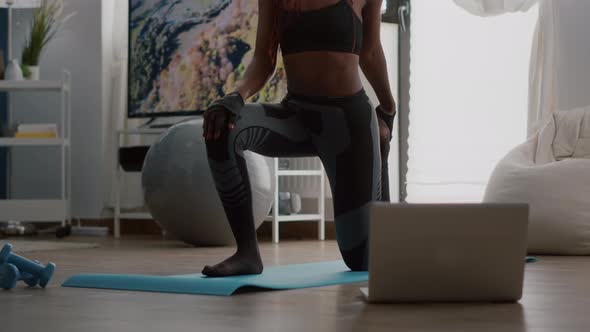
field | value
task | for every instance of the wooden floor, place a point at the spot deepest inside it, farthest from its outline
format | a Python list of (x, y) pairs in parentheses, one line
[(557, 298)]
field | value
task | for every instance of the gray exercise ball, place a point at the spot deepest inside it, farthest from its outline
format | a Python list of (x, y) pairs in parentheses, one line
[(180, 194)]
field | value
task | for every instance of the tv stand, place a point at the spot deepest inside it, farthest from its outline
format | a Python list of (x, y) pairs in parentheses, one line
[(148, 123), (151, 125), (161, 125)]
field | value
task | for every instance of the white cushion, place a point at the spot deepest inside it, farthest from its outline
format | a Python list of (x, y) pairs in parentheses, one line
[(551, 172)]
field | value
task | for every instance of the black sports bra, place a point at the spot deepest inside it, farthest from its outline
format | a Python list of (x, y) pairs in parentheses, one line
[(333, 28)]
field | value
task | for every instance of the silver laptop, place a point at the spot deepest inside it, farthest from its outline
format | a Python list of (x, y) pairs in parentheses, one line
[(446, 252)]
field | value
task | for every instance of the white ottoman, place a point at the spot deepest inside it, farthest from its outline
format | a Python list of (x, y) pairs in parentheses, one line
[(551, 172)]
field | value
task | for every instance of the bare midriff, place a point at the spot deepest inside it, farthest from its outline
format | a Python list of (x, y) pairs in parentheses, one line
[(322, 73)]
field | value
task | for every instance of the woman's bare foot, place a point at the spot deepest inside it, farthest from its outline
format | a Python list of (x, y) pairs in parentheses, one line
[(238, 264)]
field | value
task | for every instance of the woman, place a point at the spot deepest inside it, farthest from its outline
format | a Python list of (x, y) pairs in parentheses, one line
[(326, 113)]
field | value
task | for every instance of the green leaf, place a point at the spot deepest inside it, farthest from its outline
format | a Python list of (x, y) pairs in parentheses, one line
[(44, 27)]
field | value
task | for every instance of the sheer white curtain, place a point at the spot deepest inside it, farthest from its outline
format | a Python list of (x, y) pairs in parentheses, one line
[(468, 98), (543, 67), (495, 7), (560, 68), (543, 70)]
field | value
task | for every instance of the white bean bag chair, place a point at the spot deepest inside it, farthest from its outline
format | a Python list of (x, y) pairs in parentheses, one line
[(551, 172)]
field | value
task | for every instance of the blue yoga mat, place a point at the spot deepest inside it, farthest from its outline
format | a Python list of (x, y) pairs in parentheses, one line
[(275, 277)]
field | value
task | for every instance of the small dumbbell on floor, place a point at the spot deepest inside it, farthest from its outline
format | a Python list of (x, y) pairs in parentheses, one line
[(32, 271), (28, 279), (10, 275)]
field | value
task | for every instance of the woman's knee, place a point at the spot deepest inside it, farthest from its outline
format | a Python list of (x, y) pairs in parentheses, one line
[(221, 148), (218, 149), (356, 259), (352, 234)]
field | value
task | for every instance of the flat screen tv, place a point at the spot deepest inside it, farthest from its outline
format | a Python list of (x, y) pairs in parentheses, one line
[(184, 54)]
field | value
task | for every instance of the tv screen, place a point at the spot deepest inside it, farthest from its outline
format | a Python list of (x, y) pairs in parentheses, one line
[(184, 54)]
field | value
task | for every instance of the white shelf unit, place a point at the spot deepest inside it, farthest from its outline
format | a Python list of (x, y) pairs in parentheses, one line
[(119, 174), (31, 141), (276, 218), (47, 210), (32, 85)]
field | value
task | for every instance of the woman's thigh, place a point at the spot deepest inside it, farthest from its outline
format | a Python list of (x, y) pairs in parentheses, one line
[(271, 130), (346, 137)]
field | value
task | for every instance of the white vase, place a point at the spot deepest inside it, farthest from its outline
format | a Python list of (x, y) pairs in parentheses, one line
[(34, 70), (13, 71)]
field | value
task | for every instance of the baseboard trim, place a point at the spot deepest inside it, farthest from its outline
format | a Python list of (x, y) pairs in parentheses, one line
[(304, 230)]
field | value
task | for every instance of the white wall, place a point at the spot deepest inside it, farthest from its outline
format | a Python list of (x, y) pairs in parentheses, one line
[(36, 172), (107, 65)]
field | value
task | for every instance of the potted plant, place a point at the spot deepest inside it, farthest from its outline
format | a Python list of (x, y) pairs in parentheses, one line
[(48, 19)]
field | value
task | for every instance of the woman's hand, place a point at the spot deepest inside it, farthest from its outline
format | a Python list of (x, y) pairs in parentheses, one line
[(221, 115), (216, 121), (384, 132), (385, 118)]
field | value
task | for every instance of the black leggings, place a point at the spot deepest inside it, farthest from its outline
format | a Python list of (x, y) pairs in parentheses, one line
[(341, 131)]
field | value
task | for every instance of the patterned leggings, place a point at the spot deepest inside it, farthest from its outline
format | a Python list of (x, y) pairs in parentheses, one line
[(341, 131)]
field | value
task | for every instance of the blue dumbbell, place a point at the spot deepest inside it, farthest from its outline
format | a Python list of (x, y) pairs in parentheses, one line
[(9, 275), (29, 279), (26, 267)]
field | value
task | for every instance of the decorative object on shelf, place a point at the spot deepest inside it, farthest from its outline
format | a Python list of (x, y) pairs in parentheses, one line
[(41, 130), (284, 164), (2, 65), (13, 71), (8, 130), (35, 73), (15, 4), (48, 19), (12, 228), (16, 228), (289, 203), (31, 72)]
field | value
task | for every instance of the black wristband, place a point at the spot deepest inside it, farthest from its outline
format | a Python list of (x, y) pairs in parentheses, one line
[(232, 102)]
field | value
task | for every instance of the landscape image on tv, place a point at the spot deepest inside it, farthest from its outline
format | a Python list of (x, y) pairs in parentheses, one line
[(184, 54)]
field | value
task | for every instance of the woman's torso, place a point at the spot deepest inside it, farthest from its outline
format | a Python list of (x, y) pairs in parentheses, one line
[(315, 64)]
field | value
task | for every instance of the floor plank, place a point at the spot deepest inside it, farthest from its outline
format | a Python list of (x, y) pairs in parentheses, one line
[(556, 297)]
